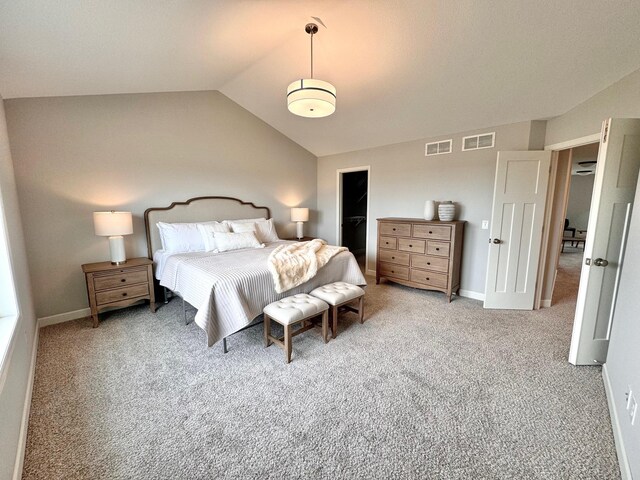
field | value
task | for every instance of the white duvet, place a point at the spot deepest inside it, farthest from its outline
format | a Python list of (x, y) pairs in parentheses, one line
[(230, 289)]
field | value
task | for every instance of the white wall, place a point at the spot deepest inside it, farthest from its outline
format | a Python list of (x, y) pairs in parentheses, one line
[(579, 204), (402, 178), (15, 377), (621, 100), (75, 155)]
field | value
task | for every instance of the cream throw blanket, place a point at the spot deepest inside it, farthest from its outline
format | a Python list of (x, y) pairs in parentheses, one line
[(295, 263)]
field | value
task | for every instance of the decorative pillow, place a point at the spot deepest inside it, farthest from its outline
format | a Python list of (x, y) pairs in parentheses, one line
[(266, 231), (236, 241), (244, 220), (181, 237), (242, 227), (208, 232)]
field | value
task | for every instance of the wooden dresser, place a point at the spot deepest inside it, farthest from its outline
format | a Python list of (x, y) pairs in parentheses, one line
[(420, 253), (119, 285)]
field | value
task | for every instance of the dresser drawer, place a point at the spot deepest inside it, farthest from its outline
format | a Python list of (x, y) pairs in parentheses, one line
[(440, 249), (394, 271), (394, 257), (438, 280), (399, 229), (411, 245), (118, 294), (119, 280), (435, 232), (390, 243), (435, 264)]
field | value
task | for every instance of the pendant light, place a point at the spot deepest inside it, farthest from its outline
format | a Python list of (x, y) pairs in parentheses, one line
[(309, 97)]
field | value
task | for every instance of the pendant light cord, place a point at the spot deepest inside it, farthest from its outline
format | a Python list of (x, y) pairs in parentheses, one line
[(311, 54)]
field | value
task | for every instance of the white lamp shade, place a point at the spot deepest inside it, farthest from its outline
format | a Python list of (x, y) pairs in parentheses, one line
[(112, 223), (312, 98), (299, 214)]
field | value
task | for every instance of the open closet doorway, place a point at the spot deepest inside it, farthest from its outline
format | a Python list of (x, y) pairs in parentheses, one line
[(353, 212)]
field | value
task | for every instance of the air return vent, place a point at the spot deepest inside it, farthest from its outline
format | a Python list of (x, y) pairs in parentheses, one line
[(476, 142), (438, 148)]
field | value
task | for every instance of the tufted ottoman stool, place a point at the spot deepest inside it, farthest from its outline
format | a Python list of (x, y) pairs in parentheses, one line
[(289, 311), (338, 294)]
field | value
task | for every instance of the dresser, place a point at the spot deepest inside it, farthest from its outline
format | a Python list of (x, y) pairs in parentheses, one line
[(420, 253), (111, 286)]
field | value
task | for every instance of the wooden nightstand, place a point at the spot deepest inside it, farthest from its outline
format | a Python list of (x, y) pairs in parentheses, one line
[(119, 285), (303, 239)]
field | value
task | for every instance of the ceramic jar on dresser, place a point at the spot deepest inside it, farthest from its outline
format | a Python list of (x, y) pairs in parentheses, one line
[(420, 253)]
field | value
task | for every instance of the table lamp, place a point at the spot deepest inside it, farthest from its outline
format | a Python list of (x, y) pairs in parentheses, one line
[(114, 225), (299, 215)]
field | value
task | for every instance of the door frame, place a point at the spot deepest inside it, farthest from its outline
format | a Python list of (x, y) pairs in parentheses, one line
[(339, 172)]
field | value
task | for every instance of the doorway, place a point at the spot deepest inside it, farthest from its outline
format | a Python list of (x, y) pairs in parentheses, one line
[(353, 212)]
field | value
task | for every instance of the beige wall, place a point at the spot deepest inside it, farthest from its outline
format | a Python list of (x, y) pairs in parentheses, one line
[(402, 178), (15, 371), (620, 100), (76, 155)]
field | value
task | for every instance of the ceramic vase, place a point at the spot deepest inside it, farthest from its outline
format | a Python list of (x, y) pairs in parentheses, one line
[(446, 211), (429, 210)]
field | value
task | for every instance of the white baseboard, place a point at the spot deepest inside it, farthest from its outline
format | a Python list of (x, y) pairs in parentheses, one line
[(545, 303), (63, 317), (472, 294), (26, 409), (625, 468)]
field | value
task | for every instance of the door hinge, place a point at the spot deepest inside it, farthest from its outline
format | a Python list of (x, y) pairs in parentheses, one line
[(606, 132)]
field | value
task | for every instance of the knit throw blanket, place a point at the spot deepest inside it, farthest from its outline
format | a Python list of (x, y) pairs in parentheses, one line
[(295, 263)]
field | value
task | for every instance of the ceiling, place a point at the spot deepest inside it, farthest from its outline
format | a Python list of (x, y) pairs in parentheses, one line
[(403, 69)]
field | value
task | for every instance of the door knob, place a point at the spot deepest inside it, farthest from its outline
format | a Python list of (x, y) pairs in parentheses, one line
[(497, 241), (600, 262)]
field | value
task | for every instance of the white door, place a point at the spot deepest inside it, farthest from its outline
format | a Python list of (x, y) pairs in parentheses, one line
[(517, 218), (613, 193)]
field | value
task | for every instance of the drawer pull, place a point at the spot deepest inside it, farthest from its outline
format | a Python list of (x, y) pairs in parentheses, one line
[(124, 294), (394, 229), (393, 258), (387, 243), (427, 278), (123, 279), (437, 249), (410, 246), (428, 263), (430, 232), (392, 271)]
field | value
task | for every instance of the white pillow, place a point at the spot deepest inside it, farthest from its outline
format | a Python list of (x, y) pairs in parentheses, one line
[(266, 231), (235, 241), (181, 237), (244, 220), (239, 227), (208, 231)]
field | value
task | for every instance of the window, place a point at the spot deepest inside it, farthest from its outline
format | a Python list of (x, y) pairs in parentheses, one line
[(438, 148), (8, 303), (476, 142)]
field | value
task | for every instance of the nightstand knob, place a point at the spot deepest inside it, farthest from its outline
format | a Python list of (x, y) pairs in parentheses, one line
[(437, 249), (430, 231), (123, 279), (428, 263), (394, 229), (410, 246), (124, 294), (393, 258)]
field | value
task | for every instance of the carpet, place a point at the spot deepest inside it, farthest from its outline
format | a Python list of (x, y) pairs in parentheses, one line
[(422, 389)]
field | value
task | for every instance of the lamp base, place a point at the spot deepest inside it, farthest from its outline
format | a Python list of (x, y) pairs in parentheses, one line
[(116, 246), (300, 230)]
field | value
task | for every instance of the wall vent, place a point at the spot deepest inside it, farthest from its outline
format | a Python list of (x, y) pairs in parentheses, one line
[(438, 148), (476, 142)]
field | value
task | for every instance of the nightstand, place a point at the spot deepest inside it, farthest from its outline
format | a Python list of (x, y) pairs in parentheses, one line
[(303, 239), (111, 286)]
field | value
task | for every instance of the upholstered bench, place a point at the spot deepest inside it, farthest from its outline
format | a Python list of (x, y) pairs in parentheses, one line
[(289, 311), (339, 294)]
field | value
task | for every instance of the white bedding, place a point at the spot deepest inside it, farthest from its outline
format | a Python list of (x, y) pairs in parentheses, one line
[(230, 289)]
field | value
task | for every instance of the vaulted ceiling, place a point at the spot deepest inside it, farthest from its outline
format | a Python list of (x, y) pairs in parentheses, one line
[(403, 69)]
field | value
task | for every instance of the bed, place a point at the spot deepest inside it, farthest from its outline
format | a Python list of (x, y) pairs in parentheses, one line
[(230, 289)]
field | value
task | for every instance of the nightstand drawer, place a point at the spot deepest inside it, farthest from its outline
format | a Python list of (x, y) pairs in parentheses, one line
[(120, 280), (394, 257), (400, 229), (118, 294)]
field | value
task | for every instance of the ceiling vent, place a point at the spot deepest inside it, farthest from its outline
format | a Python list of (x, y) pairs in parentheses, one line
[(438, 148), (476, 142)]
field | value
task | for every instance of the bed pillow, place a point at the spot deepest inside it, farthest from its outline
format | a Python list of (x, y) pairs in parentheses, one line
[(239, 227), (236, 241), (208, 232), (244, 220), (266, 231), (181, 237)]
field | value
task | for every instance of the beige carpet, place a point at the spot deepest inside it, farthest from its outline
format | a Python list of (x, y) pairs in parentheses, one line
[(424, 389)]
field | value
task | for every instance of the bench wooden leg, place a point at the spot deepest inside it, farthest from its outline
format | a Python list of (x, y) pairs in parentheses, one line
[(334, 321), (325, 326), (361, 308), (267, 330), (287, 343)]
